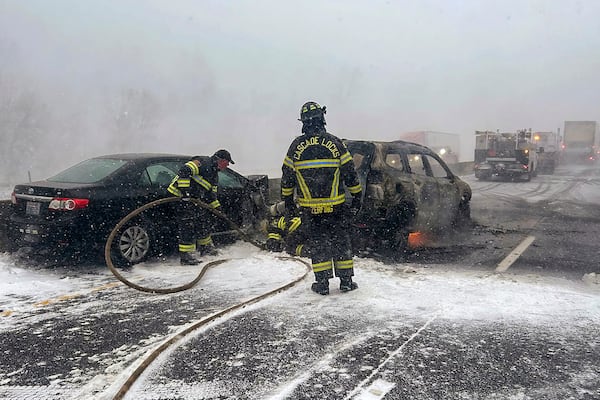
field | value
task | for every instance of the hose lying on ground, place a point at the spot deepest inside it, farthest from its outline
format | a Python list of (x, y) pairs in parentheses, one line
[(136, 212), (173, 339)]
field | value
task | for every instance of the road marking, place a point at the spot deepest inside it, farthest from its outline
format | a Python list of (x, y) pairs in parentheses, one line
[(358, 390), (107, 286), (377, 390), (64, 297), (515, 254)]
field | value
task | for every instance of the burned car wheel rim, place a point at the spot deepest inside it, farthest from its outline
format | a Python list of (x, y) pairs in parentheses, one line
[(134, 244)]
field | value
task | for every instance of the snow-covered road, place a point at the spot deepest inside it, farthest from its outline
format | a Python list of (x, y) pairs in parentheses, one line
[(393, 299), (411, 330)]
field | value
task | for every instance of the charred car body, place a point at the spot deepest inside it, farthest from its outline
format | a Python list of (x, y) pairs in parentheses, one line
[(79, 207), (407, 188)]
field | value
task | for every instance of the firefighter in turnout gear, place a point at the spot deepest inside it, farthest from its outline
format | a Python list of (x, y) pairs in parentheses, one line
[(287, 234), (316, 167), (199, 181)]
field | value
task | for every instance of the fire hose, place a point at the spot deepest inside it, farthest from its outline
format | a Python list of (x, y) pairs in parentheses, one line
[(156, 352), (199, 203)]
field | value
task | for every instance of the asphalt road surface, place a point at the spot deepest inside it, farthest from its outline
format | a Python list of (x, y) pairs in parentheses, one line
[(508, 308)]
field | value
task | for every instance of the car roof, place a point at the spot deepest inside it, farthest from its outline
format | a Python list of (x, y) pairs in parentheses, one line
[(143, 156), (397, 142)]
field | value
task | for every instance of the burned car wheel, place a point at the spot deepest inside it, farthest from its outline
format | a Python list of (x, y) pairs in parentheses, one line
[(400, 245)]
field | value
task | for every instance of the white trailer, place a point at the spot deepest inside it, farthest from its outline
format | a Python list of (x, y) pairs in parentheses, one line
[(581, 141), (446, 145)]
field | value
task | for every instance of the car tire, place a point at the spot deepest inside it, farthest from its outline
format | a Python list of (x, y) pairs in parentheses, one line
[(395, 236), (132, 244)]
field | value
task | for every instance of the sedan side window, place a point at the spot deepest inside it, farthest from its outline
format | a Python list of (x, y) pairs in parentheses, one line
[(229, 180), (158, 175)]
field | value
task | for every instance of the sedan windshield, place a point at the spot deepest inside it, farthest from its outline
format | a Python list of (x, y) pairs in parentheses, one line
[(89, 171)]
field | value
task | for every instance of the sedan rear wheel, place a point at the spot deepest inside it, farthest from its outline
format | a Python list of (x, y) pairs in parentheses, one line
[(133, 244)]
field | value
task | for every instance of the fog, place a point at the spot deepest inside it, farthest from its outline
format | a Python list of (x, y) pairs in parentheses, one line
[(84, 78)]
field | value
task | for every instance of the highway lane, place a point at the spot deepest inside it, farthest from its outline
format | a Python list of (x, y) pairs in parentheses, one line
[(440, 323)]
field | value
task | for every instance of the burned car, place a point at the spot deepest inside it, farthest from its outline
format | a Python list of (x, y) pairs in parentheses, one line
[(407, 188), (77, 208)]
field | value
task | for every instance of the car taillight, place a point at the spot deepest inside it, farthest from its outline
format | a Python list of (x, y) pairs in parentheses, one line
[(13, 198), (64, 204)]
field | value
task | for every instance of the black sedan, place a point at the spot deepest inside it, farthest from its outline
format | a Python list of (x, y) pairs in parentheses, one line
[(79, 207)]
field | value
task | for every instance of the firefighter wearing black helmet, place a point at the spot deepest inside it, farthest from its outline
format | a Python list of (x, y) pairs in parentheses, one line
[(316, 168), (197, 180)]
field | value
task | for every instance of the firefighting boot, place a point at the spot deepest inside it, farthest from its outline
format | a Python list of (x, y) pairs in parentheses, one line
[(186, 258), (209, 250), (321, 287), (346, 284)]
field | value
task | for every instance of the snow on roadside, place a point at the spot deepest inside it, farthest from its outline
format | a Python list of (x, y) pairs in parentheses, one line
[(386, 292), (22, 286), (455, 294)]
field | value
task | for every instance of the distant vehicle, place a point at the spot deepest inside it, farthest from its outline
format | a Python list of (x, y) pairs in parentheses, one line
[(79, 207), (505, 155), (548, 148), (407, 188), (446, 145), (581, 141)]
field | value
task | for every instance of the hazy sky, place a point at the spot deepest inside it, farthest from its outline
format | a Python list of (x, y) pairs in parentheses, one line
[(233, 74)]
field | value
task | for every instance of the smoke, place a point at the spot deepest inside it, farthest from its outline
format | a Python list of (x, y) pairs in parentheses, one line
[(188, 77)]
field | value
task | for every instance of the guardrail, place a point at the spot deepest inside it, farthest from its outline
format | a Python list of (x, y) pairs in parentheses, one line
[(462, 168)]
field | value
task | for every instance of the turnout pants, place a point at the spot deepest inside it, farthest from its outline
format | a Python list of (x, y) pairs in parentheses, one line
[(195, 225), (330, 246)]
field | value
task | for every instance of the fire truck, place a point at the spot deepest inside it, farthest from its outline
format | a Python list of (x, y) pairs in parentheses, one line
[(505, 155)]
